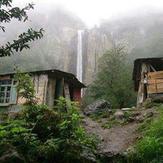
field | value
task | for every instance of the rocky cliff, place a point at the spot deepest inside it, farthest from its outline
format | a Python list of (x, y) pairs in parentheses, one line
[(141, 35)]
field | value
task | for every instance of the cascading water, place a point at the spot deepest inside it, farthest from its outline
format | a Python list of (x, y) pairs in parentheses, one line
[(79, 66)]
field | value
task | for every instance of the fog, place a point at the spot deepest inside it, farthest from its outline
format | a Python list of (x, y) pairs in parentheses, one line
[(92, 12), (138, 25)]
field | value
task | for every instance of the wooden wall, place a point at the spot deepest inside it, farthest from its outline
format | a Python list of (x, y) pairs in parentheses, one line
[(155, 82), (40, 86), (51, 92), (47, 89)]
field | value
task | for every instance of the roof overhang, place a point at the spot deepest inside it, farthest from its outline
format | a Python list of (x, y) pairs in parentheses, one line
[(156, 62), (69, 77)]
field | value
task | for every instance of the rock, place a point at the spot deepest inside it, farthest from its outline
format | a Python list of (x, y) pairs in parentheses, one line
[(88, 157), (139, 119), (149, 114), (135, 114), (98, 106), (119, 114)]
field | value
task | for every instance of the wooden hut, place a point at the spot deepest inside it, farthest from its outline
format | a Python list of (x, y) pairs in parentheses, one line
[(48, 84), (148, 79)]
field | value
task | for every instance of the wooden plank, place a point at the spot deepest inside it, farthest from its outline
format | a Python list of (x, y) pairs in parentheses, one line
[(155, 88), (67, 92), (152, 81), (155, 75), (155, 85), (5, 77), (51, 92), (151, 91), (141, 91)]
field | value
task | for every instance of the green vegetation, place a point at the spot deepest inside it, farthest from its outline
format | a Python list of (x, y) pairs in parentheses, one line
[(110, 123), (7, 14), (114, 80), (40, 134), (150, 147), (149, 103), (25, 87)]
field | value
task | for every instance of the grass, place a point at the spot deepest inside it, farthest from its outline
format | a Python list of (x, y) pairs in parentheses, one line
[(149, 104), (150, 147)]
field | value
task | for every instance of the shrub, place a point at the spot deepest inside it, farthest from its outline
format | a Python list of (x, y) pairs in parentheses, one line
[(41, 134)]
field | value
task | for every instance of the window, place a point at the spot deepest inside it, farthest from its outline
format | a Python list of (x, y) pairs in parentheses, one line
[(7, 92)]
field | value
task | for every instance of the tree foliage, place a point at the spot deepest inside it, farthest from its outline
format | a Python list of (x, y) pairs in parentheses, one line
[(7, 13), (25, 87), (114, 80)]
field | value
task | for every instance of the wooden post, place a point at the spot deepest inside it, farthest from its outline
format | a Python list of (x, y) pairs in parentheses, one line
[(141, 93)]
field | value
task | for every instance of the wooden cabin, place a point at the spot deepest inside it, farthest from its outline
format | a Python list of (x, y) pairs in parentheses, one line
[(48, 84), (148, 79)]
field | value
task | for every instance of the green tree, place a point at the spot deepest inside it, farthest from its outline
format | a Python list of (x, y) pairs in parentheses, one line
[(114, 79), (7, 14)]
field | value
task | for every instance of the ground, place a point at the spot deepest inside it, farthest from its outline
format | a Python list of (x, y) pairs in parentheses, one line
[(118, 138)]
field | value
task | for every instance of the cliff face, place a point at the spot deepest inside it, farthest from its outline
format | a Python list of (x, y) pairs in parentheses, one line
[(142, 36), (95, 43), (57, 49)]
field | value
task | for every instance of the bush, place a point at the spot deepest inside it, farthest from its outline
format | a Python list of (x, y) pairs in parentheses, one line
[(41, 134)]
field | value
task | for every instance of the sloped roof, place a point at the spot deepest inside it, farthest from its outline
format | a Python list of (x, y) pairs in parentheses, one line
[(69, 77)]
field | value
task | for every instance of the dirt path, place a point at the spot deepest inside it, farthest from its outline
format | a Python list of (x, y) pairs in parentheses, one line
[(114, 140)]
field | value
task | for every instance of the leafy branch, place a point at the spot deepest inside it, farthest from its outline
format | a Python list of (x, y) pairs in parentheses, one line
[(7, 13), (21, 43)]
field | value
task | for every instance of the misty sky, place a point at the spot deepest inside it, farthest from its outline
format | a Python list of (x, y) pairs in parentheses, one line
[(94, 11)]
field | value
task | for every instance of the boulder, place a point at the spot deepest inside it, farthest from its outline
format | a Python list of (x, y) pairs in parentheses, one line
[(98, 106), (119, 114)]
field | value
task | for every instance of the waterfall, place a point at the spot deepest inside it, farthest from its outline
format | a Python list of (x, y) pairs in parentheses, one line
[(79, 67)]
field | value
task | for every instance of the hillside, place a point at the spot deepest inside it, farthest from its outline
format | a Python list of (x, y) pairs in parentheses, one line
[(120, 135)]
